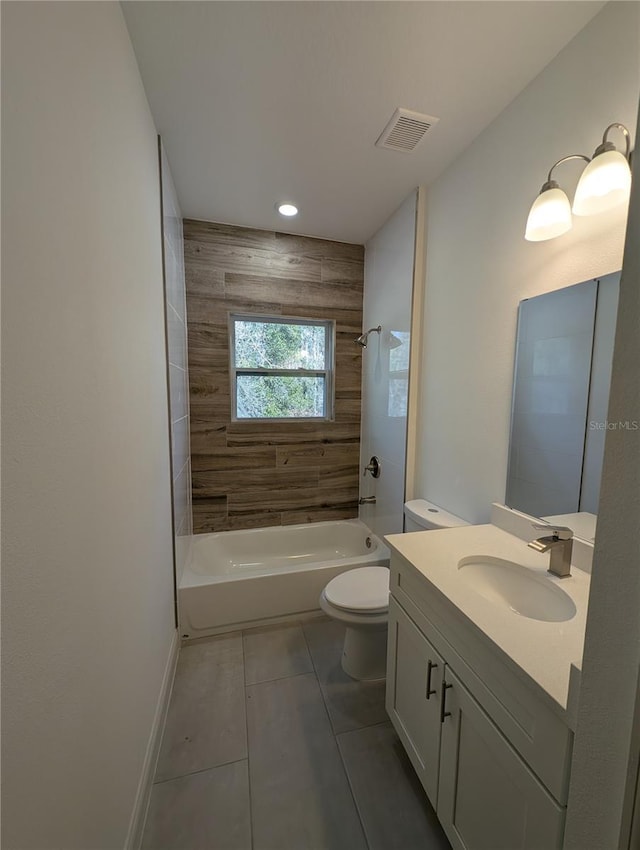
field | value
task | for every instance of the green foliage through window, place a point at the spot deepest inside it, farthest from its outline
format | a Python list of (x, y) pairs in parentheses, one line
[(281, 368)]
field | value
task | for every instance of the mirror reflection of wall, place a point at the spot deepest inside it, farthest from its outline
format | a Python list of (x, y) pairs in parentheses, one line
[(561, 383)]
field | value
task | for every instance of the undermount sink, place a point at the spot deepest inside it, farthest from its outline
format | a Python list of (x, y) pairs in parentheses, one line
[(516, 588)]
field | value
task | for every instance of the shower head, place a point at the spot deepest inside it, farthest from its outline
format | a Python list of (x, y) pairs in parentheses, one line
[(362, 339)]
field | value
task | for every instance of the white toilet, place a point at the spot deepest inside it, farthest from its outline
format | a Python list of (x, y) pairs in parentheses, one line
[(420, 515), (360, 599)]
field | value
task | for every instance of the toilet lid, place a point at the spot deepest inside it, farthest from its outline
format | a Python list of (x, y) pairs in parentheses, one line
[(364, 589)]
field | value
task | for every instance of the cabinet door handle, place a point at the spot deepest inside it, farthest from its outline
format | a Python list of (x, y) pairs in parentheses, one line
[(429, 692), (443, 700)]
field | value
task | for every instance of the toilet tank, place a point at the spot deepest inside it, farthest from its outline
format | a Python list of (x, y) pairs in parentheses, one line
[(420, 515)]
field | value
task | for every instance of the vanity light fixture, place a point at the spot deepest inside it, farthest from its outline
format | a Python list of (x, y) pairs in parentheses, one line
[(550, 213), (605, 183), (287, 209)]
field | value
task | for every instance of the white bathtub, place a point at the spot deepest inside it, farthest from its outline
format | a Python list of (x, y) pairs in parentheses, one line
[(240, 578)]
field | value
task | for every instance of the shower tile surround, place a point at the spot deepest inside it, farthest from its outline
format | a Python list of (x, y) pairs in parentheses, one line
[(178, 368), (256, 473)]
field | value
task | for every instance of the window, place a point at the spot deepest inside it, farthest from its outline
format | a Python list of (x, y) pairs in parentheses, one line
[(281, 367)]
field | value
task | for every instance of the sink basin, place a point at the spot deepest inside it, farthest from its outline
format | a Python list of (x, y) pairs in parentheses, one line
[(514, 587)]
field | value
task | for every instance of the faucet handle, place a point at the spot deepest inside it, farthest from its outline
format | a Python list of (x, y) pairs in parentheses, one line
[(374, 467), (562, 532)]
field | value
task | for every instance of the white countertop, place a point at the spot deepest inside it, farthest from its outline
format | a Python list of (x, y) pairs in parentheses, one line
[(544, 651)]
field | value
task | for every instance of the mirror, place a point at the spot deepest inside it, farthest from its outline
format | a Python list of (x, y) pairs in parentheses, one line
[(562, 373)]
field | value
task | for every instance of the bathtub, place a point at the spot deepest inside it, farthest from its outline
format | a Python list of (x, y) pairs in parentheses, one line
[(243, 578)]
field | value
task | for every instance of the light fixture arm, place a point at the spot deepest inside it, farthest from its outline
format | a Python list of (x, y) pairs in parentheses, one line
[(609, 146), (605, 183), (551, 184)]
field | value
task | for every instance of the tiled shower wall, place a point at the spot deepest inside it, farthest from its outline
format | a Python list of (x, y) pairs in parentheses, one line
[(252, 474), (385, 384), (178, 367)]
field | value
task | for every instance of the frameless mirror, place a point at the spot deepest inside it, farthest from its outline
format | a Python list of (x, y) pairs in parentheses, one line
[(562, 373)]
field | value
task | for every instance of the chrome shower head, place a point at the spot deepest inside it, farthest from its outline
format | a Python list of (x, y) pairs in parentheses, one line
[(362, 339)]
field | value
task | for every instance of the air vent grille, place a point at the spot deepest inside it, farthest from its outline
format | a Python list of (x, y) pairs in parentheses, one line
[(405, 130)]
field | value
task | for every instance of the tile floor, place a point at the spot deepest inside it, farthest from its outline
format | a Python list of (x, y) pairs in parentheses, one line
[(269, 745)]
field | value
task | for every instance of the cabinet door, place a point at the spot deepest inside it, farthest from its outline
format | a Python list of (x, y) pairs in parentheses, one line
[(488, 799), (414, 687)]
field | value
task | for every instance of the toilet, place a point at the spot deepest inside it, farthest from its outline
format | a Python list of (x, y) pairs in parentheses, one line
[(359, 598), (420, 515)]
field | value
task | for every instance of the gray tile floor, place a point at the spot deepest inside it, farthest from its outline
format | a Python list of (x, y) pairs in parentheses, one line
[(269, 745)]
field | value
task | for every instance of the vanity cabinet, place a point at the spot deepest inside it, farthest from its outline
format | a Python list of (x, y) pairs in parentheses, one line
[(488, 799), (414, 689), (495, 769)]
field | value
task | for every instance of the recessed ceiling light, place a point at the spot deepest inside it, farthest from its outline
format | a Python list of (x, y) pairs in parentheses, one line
[(287, 209)]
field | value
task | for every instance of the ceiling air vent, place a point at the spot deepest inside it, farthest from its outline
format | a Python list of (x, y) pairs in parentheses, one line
[(405, 130)]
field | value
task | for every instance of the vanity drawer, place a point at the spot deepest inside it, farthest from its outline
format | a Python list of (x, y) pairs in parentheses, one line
[(512, 701)]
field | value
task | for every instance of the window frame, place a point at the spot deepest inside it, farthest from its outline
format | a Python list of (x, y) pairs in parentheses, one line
[(328, 373)]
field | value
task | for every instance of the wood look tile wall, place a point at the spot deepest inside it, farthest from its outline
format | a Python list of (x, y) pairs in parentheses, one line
[(254, 474)]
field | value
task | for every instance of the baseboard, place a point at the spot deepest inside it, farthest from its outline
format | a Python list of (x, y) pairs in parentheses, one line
[(143, 794)]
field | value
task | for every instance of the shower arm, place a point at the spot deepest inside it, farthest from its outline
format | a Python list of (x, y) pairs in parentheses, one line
[(362, 339)]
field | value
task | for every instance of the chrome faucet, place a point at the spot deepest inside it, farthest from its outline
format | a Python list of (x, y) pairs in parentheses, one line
[(560, 544)]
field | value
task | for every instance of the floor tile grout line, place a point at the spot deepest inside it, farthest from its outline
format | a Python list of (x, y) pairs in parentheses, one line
[(278, 679), (246, 728), (297, 624), (315, 670), (335, 738), (353, 795), (360, 728), (195, 772), (333, 729), (257, 684)]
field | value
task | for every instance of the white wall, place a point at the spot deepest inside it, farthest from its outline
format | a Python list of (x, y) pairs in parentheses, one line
[(87, 567), (176, 311), (607, 744), (479, 266), (388, 287)]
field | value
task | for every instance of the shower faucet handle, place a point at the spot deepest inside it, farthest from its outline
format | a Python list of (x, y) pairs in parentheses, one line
[(374, 467)]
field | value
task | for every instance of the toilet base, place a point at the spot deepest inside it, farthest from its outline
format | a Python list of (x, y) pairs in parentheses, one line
[(364, 655)]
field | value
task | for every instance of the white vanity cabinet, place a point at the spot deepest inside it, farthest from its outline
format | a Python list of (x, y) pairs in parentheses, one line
[(488, 799), (414, 689), (494, 764)]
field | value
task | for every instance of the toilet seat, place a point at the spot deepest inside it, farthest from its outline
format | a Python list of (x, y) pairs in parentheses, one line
[(364, 590)]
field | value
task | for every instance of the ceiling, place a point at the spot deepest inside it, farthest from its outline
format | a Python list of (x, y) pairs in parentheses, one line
[(259, 102)]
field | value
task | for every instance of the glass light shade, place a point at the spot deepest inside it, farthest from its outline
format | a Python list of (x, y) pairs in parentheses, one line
[(550, 216), (605, 183)]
